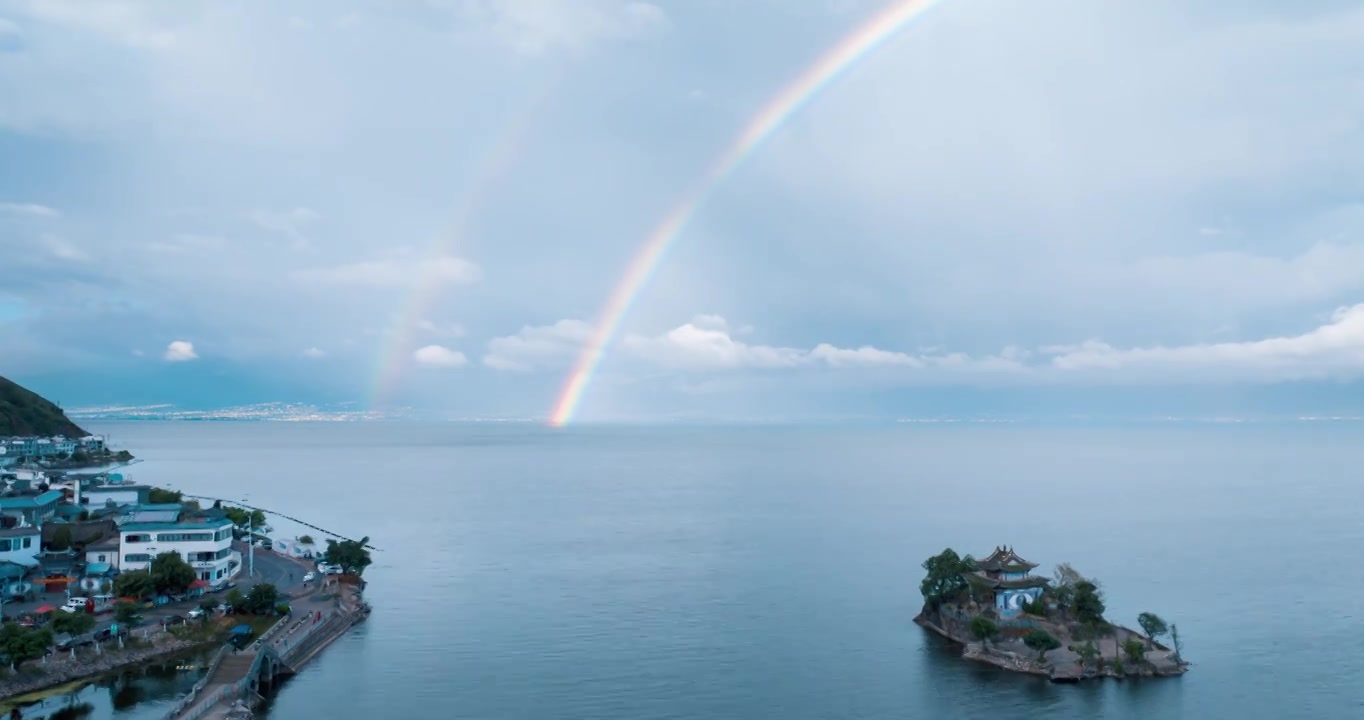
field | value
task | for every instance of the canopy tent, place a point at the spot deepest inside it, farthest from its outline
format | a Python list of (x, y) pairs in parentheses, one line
[(241, 630), (12, 571), (45, 610), (98, 568), (198, 584)]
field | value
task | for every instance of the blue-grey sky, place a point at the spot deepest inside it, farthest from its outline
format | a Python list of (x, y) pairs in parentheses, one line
[(1039, 207)]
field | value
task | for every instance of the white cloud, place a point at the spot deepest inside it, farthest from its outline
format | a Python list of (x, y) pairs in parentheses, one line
[(180, 351), (28, 209), (289, 223), (137, 24), (439, 356), (8, 28), (537, 26), (64, 250), (137, 353), (538, 347), (1333, 350), (395, 272), (450, 330), (314, 353)]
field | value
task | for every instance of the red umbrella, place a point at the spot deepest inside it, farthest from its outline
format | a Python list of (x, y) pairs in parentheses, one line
[(198, 584), (45, 610)]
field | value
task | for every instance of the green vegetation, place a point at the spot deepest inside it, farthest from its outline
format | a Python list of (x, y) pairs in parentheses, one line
[(944, 581), (353, 558), (305, 539), (1088, 604), (1134, 650), (1037, 607), (162, 496), (18, 643), (1152, 625), (1179, 646), (984, 630), (1041, 641), (236, 600), (126, 613), (73, 623), (61, 539), (23, 412), (170, 573), (1088, 652), (243, 518), (262, 599), (136, 584)]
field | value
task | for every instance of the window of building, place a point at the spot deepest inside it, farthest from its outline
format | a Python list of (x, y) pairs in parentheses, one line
[(4, 545), (101, 558), (136, 538), (28, 542), (137, 557)]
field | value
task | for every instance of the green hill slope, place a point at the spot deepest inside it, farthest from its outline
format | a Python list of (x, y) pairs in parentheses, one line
[(23, 412)]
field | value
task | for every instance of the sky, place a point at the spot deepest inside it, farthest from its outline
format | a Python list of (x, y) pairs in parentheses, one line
[(1146, 208)]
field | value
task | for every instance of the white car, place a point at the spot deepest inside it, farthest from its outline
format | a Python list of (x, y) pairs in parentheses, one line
[(195, 614), (74, 605), (310, 577), (333, 569)]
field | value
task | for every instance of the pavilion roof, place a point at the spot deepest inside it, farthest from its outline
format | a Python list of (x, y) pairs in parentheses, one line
[(980, 579), (1004, 559)]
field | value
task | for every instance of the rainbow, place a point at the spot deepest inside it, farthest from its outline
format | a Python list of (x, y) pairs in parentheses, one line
[(395, 355), (852, 48)]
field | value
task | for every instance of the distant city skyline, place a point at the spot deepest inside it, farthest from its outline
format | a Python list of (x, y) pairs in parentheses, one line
[(422, 209)]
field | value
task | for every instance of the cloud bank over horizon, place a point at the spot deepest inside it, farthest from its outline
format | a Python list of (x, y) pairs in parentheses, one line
[(427, 205)]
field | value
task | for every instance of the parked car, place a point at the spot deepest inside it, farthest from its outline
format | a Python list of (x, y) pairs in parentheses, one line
[(309, 577), (172, 620), (334, 570), (195, 614), (75, 604)]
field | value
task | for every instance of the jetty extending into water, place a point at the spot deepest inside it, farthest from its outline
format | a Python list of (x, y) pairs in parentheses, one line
[(236, 678)]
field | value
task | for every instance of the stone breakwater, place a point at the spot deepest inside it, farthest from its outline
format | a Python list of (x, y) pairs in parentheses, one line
[(1062, 664), (60, 669)]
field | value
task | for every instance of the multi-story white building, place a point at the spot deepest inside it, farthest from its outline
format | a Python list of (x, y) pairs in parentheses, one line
[(206, 545)]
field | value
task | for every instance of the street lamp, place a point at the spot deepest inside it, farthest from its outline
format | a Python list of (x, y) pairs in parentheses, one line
[(250, 542)]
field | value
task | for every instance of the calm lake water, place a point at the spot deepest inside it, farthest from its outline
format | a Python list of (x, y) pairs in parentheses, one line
[(701, 573)]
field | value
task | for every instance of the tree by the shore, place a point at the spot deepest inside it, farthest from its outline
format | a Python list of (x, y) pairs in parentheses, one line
[(1174, 640), (984, 629), (943, 581), (73, 623), (1135, 650), (1087, 651), (18, 643), (125, 612), (1152, 625), (1088, 604), (243, 518), (162, 496), (261, 599), (1041, 641), (350, 555), (171, 574), (135, 584)]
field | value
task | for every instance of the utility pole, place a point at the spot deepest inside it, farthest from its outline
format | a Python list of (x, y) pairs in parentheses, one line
[(250, 543)]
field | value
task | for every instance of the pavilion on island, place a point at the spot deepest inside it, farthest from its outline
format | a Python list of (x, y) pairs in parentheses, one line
[(1005, 576)]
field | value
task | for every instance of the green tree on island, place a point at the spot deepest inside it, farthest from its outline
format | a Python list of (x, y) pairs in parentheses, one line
[(350, 555), (1152, 625), (1179, 646), (1088, 652), (1088, 604), (944, 581), (135, 584), (1135, 650), (171, 574), (984, 630), (1041, 641)]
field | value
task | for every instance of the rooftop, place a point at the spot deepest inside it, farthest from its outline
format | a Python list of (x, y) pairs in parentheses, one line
[(154, 526), (28, 502), (1004, 559), (109, 543), (114, 487), (19, 532)]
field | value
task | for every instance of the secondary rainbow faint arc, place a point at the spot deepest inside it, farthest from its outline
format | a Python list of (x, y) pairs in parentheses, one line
[(852, 48)]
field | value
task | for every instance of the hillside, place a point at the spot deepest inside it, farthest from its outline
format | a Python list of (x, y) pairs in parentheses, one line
[(23, 412)]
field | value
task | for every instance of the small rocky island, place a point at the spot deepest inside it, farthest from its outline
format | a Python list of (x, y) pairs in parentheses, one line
[(1006, 616)]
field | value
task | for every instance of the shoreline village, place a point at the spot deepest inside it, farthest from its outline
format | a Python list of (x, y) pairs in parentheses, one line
[(99, 573), (1004, 615)]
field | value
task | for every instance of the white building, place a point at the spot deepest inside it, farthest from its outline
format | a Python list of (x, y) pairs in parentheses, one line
[(100, 495), (205, 545), (103, 552), (20, 545)]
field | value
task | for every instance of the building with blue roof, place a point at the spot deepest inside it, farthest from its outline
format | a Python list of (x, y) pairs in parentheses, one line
[(31, 509)]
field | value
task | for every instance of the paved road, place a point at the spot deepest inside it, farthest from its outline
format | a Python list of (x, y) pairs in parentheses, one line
[(285, 573)]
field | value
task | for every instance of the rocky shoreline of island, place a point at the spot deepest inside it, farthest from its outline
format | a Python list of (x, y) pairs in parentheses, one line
[(1002, 614)]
